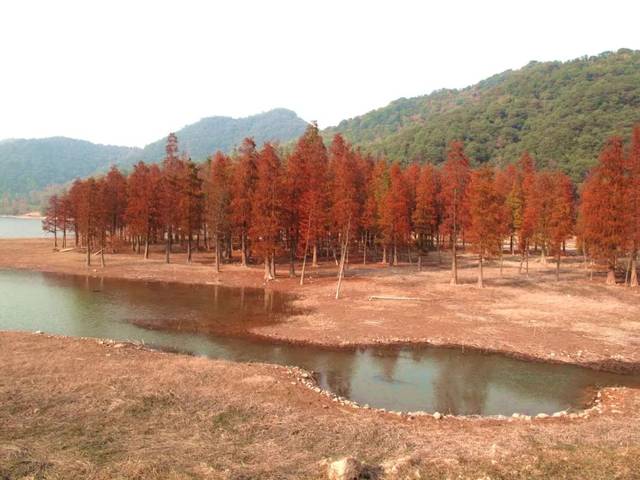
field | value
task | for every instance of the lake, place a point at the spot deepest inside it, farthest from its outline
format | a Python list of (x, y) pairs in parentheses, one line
[(13, 227), (206, 320)]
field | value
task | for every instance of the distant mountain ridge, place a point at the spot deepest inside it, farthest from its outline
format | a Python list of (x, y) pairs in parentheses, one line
[(561, 112), (29, 166)]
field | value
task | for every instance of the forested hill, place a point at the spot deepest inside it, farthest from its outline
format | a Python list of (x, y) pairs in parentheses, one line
[(27, 166), (203, 138), (561, 112)]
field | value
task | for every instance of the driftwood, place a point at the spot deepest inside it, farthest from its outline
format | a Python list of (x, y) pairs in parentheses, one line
[(98, 252), (67, 249), (390, 297)]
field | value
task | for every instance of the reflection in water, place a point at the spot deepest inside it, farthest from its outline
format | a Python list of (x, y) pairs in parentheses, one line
[(199, 319)]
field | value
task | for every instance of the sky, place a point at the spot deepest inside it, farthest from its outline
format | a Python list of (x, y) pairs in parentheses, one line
[(128, 72)]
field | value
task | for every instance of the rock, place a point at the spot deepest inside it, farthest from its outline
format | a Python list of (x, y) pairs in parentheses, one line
[(542, 415), (559, 414), (437, 415), (347, 468), (38, 332), (119, 345)]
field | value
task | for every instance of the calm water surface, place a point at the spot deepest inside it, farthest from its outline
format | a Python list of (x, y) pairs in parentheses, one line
[(408, 379), (11, 227)]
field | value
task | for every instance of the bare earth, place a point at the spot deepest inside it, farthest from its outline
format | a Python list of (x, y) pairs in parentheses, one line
[(72, 408)]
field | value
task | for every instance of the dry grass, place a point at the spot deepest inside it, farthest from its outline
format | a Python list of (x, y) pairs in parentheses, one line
[(72, 408)]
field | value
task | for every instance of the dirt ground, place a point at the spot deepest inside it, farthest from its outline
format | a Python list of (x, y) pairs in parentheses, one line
[(74, 408), (575, 320)]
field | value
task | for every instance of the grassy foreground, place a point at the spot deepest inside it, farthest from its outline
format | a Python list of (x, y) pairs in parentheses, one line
[(73, 408)]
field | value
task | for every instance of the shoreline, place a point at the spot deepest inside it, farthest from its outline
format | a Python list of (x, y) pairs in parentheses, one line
[(356, 322), (610, 365), (308, 379), (24, 216)]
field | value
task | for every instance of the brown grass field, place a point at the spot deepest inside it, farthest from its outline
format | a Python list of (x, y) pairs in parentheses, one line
[(73, 408)]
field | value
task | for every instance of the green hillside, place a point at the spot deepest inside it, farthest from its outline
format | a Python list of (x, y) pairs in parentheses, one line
[(29, 166), (560, 111), (203, 138)]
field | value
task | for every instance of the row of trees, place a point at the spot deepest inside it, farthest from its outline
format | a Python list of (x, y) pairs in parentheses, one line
[(337, 202)]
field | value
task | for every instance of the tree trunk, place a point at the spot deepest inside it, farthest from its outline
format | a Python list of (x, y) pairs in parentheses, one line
[(292, 260), (501, 262), (273, 264), (364, 249), (454, 262), (633, 280), (395, 254), (189, 241), (306, 250), (343, 260), (384, 254), (611, 274), (146, 246), (88, 252), (217, 254), (102, 242), (419, 263), (480, 273), (243, 251), (558, 267), (314, 261), (167, 247), (267, 269)]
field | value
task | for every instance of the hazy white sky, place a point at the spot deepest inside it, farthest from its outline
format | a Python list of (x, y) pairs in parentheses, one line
[(128, 72)]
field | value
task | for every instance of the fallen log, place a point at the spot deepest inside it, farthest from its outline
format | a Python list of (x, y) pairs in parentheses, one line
[(389, 297), (98, 252), (66, 249)]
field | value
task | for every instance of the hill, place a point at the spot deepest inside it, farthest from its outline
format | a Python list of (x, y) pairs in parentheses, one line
[(30, 166), (203, 138), (561, 112)]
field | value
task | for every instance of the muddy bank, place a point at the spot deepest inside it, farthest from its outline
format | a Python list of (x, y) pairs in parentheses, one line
[(533, 317)]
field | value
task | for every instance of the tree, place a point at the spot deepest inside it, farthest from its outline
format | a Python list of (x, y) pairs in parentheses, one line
[(604, 222), (87, 196), (242, 187), (309, 161), (561, 221), (455, 180), (169, 189), (395, 215), (51, 218), (488, 216), (426, 216), (142, 212), (115, 202), (345, 204), (527, 213), (633, 200), (266, 208), (217, 202), (190, 204)]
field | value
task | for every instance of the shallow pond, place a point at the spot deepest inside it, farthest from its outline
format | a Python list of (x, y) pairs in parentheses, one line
[(406, 379)]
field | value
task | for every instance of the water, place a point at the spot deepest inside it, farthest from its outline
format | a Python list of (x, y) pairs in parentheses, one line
[(190, 318), (12, 227)]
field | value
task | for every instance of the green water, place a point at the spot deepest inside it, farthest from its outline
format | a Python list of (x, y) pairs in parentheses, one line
[(405, 379)]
